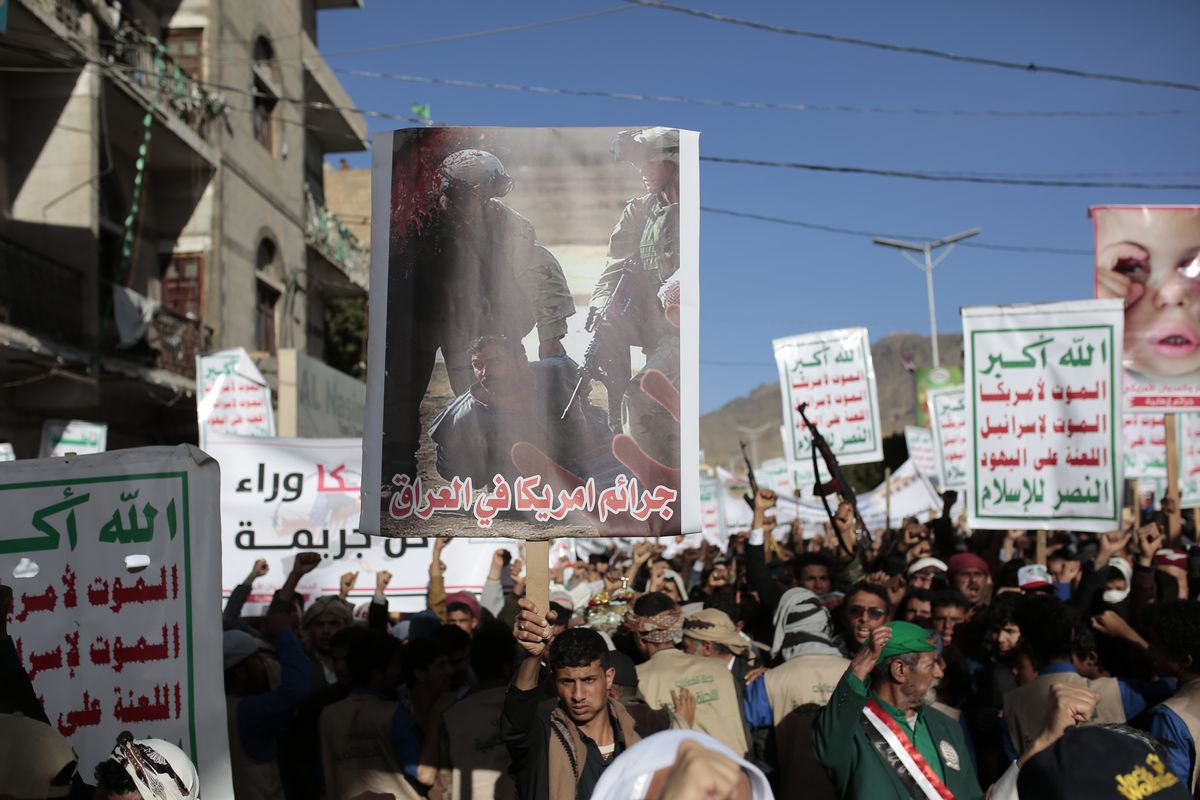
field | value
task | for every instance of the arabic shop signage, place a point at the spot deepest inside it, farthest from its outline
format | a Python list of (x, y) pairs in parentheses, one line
[(115, 557), (1044, 415), (60, 437), (833, 373)]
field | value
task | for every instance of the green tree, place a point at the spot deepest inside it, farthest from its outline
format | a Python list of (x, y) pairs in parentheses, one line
[(346, 335)]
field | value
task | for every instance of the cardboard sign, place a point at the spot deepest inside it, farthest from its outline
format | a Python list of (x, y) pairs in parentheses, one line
[(534, 361)]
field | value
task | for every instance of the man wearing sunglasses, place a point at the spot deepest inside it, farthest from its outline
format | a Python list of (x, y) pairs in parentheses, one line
[(865, 609)]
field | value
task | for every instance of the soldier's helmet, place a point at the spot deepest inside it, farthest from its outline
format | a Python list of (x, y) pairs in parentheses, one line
[(477, 171), (641, 145)]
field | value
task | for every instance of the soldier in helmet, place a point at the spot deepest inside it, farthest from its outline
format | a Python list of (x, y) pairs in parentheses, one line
[(473, 267), (645, 245)]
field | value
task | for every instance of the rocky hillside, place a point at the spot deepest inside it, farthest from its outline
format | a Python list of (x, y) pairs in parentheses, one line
[(897, 399)]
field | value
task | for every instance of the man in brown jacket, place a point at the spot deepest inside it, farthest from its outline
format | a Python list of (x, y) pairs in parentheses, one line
[(560, 747)]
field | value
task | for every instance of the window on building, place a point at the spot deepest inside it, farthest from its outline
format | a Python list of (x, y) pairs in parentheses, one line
[(183, 284), (264, 318), (267, 293), (184, 46), (266, 94)]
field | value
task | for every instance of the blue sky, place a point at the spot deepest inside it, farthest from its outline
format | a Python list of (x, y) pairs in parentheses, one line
[(759, 280)]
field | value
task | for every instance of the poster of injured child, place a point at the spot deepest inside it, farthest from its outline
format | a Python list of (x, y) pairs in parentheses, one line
[(534, 333)]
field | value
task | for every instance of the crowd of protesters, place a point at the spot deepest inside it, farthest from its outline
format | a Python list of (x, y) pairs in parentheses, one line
[(934, 663)]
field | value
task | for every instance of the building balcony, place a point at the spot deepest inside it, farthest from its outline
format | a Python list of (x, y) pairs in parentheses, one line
[(141, 63), (329, 236), (328, 113), (41, 295)]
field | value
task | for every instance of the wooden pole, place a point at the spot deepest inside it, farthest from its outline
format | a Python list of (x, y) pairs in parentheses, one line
[(1040, 551), (1136, 503), (1175, 518), (537, 574), (887, 498)]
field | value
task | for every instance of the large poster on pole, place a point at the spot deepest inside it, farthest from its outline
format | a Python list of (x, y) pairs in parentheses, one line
[(1148, 257), (1043, 408), (114, 561), (534, 333), (948, 410), (280, 497), (832, 373)]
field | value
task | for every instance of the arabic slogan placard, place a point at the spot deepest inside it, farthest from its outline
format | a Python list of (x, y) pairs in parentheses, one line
[(1044, 413), (534, 365), (234, 397), (948, 411), (833, 374), (1145, 446), (111, 642), (1188, 430), (919, 442), (283, 496), (712, 512)]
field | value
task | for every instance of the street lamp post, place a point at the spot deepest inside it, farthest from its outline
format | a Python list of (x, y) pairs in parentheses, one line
[(927, 248), (752, 434)]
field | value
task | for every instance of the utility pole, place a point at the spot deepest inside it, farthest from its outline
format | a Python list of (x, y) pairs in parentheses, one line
[(926, 249)]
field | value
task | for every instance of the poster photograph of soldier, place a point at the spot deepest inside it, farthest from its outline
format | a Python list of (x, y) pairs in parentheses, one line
[(1149, 257), (533, 333)]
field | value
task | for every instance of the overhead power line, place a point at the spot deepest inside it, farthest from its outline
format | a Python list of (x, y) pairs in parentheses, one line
[(755, 104), (1011, 248), (921, 51), (945, 177), (458, 37), (948, 177)]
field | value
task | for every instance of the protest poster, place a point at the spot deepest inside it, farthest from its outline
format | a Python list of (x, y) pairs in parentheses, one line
[(534, 369), (234, 397), (907, 492), (833, 374), (928, 379), (778, 476), (280, 497), (61, 437), (1188, 431), (1044, 412), (950, 436), (919, 442), (911, 495), (111, 642), (1145, 446), (1148, 257), (712, 512)]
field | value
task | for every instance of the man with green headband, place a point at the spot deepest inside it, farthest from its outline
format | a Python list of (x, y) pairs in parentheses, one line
[(877, 739)]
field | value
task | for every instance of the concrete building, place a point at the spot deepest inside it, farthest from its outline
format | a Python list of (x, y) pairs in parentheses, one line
[(162, 195)]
